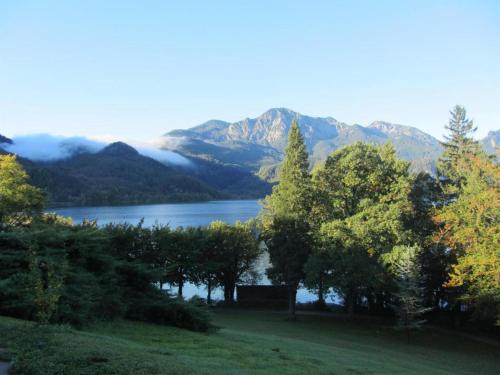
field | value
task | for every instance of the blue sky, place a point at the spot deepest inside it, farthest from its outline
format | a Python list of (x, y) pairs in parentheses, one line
[(137, 69)]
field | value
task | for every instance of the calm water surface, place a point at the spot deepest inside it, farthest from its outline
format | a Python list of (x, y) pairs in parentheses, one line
[(173, 214), (176, 215)]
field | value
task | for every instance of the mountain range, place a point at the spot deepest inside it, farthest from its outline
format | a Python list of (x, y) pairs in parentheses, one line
[(220, 160), (258, 144)]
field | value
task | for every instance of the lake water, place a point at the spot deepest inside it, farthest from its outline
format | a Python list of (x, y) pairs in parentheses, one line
[(173, 214), (176, 215)]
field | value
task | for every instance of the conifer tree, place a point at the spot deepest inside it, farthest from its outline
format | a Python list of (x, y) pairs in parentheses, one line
[(291, 197), (459, 143), (287, 231), (404, 263)]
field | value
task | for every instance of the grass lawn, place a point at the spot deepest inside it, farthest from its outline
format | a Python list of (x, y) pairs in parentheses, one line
[(249, 342)]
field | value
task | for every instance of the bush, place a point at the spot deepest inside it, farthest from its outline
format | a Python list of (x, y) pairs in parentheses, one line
[(173, 312)]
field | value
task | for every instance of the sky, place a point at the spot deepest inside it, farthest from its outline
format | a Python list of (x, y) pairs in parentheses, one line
[(137, 69)]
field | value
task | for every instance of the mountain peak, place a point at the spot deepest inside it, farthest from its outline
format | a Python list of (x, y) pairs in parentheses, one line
[(119, 149)]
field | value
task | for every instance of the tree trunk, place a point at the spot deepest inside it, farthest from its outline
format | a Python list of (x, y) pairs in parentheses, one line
[(350, 302), (371, 302), (292, 297), (229, 293), (209, 291), (321, 291), (179, 290)]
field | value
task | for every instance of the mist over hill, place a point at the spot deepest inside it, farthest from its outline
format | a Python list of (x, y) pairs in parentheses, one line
[(76, 172)]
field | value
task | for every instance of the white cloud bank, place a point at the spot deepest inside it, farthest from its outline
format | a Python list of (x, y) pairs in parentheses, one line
[(47, 147)]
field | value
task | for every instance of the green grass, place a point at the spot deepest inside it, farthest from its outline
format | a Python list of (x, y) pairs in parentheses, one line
[(249, 342)]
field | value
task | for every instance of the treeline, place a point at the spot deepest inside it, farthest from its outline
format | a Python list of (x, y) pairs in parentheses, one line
[(386, 240), (54, 271)]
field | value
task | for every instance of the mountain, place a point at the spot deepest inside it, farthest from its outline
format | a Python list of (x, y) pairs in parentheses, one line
[(491, 143), (258, 144), (120, 174), (117, 174)]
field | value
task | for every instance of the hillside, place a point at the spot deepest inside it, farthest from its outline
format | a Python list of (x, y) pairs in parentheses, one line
[(258, 143), (118, 174), (249, 342)]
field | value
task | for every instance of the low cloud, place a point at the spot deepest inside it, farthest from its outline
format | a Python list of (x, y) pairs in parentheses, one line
[(154, 148), (46, 147), (165, 156)]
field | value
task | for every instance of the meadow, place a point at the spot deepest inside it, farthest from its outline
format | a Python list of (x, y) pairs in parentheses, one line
[(246, 342)]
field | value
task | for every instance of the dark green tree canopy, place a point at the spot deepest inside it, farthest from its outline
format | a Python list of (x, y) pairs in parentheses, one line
[(292, 196)]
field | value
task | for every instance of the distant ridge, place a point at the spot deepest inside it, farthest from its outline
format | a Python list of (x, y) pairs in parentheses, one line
[(258, 144)]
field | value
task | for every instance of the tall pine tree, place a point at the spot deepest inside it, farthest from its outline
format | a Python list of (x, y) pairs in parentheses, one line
[(459, 143), (287, 231), (291, 197)]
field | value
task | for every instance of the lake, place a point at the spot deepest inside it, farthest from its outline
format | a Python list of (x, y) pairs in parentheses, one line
[(176, 215), (173, 214)]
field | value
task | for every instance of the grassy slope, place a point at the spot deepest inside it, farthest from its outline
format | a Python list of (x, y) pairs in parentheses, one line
[(249, 342)]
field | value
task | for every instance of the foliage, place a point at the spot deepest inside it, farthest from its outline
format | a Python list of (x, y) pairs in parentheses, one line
[(426, 197), (18, 199), (179, 255), (286, 231), (470, 227), (404, 264), (289, 244), (80, 274), (362, 199), (291, 197), (237, 253), (458, 144)]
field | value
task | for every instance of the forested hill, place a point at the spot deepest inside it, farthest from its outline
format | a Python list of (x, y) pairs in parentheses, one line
[(258, 143), (119, 174)]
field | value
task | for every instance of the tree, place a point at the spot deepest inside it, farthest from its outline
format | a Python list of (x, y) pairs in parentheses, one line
[(286, 217), (291, 197), (405, 266), (289, 243), (210, 261), (18, 199), (426, 197), (179, 249), (468, 219), (459, 142), (238, 252), (470, 227), (362, 195), (317, 271)]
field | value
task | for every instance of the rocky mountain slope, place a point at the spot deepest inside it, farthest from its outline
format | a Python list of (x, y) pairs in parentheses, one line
[(491, 143), (258, 143)]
